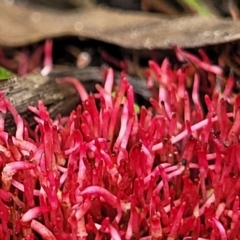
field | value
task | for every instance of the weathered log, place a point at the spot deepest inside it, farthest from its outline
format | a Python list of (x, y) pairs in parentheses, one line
[(58, 98)]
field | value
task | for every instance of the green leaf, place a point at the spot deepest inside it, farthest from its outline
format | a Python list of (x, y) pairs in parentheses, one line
[(198, 6), (5, 74)]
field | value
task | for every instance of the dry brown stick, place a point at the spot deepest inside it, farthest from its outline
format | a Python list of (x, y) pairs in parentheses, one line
[(58, 98)]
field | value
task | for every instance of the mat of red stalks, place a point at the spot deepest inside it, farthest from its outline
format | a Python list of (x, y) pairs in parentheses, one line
[(171, 171)]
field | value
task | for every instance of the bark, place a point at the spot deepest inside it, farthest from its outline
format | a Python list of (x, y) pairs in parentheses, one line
[(58, 98)]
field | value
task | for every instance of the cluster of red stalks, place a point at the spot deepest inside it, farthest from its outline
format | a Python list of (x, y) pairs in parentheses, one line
[(106, 172)]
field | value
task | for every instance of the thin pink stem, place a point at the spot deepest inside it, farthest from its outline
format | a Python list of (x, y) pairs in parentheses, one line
[(48, 64), (100, 192), (34, 212), (80, 88), (184, 133), (43, 231)]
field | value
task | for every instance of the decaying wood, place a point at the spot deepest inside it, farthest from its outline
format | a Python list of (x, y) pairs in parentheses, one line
[(58, 98), (21, 25)]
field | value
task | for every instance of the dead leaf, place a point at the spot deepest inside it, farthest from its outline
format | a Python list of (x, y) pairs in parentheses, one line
[(136, 30)]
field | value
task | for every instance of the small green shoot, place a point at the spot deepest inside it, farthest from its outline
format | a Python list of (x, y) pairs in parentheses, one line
[(5, 74), (136, 107), (197, 5)]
